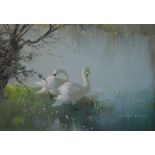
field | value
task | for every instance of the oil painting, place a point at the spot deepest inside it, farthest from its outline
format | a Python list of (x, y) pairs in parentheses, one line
[(64, 77)]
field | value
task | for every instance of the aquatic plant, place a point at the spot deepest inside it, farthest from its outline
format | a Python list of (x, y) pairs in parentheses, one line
[(22, 109)]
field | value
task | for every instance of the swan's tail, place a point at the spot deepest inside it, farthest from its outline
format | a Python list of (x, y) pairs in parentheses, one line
[(41, 91)]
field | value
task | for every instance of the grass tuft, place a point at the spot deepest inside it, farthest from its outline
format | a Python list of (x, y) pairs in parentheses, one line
[(23, 109)]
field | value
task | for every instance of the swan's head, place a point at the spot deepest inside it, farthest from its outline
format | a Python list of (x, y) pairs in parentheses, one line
[(58, 71), (86, 71)]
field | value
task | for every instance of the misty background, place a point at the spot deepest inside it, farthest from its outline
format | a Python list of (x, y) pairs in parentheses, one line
[(121, 71)]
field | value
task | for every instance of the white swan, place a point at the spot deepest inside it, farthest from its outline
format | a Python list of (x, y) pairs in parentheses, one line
[(71, 92), (51, 83)]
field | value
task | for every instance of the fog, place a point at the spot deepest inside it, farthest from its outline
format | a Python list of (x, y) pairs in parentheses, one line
[(121, 71), (117, 63)]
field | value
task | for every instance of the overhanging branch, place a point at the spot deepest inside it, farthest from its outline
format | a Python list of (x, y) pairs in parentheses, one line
[(51, 29)]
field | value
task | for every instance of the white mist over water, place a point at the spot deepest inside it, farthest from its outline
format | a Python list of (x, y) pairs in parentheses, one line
[(120, 68), (116, 64)]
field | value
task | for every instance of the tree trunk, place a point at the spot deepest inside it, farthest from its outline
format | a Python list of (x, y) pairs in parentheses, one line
[(3, 83)]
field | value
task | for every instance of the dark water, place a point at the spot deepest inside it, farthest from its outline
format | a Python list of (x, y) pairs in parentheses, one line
[(131, 112)]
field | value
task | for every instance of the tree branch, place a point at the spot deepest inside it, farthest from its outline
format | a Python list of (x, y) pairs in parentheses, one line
[(7, 29), (15, 30), (50, 30), (25, 28)]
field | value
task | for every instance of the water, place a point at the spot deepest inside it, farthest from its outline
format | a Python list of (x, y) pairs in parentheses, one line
[(120, 69)]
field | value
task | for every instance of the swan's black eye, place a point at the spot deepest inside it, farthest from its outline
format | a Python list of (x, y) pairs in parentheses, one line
[(54, 74)]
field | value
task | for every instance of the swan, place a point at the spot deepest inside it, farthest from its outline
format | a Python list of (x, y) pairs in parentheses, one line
[(51, 83), (71, 92)]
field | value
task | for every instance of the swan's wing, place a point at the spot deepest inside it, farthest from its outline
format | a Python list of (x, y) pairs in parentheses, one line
[(41, 91), (51, 83), (49, 78), (69, 91), (55, 83), (40, 83), (73, 88), (45, 81)]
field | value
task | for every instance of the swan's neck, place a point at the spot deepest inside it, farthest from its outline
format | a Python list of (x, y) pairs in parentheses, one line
[(66, 76), (86, 81)]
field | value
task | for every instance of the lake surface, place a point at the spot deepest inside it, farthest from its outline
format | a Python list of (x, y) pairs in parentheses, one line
[(120, 70)]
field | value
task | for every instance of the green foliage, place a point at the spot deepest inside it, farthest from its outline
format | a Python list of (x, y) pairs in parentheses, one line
[(132, 29), (18, 121), (23, 109), (16, 38), (118, 30), (16, 94)]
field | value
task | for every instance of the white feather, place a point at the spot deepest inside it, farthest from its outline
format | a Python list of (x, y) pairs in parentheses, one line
[(71, 92), (51, 83)]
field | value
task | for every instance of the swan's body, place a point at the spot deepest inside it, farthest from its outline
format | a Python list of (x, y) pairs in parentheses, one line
[(71, 92), (51, 83)]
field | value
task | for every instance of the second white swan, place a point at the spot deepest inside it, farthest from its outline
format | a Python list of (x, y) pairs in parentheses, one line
[(51, 83), (71, 92)]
